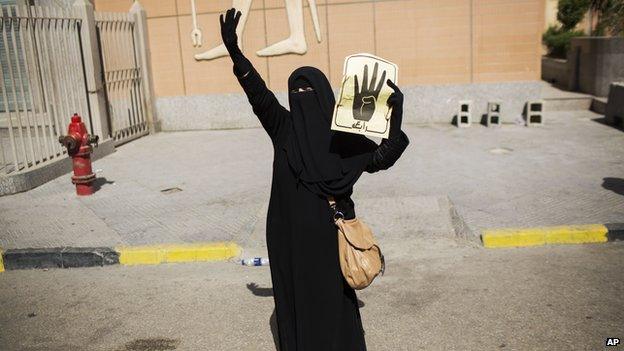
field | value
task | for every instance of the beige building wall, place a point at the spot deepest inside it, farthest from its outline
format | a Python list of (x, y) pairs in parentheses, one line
[(432, 41)]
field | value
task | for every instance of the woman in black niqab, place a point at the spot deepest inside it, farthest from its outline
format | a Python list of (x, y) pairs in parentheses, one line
[(326, 162), (315, 307)]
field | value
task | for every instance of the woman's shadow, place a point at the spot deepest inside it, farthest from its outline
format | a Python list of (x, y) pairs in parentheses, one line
[(267, 292), (614, 184)]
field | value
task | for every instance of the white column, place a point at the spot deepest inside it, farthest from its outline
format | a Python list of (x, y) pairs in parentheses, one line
[(143, 55), (93, 68)]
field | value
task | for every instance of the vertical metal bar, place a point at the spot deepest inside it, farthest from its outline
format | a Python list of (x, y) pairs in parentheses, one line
[(128, 80), (60, 108), (79, 74), (139, 82), (44, 63), (65, 54), (76, 72), (75, 77), (34, 47), (3, 166), (115, 69), (128, 76), (63, 81), (56, 80), (13, 90), (121, 74), (137, 101), (36, 88), (49, 78), (5, 100), (106, 103), (15, 27), (23, 25), (114, 41), (106, 50), (133, 81), (107, 62), (81, 59)]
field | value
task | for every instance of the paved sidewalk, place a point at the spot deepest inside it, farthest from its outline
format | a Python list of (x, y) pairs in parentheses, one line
[(512, 176)]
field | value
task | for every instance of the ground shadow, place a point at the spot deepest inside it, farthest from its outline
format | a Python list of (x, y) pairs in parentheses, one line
[(273, 325), (151, 344), (266, 292), (603, 120), (258, 291), (484, 118), (98, 183), (525, 112), (614, 184)]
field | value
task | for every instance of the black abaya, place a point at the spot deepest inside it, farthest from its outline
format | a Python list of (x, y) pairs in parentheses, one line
[(315, 307)]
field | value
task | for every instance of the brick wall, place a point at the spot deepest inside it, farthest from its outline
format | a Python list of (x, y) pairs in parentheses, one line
[(432, 41)]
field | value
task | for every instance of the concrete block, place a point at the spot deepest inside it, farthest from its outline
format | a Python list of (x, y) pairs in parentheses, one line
[(493, 116), (614, 113), (534, 113), (599, 105), (464, 114), (555, 71), (594, 63)]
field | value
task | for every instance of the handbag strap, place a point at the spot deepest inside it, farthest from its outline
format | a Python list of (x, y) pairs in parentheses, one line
[(332, 204)]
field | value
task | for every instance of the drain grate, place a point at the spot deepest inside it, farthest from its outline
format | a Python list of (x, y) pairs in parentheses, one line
[(170, 190)]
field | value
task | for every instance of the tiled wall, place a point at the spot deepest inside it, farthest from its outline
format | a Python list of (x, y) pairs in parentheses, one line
[(432, 41)]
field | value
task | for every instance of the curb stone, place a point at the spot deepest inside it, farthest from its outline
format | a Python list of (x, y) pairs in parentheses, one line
[(74, 257), (567, 234)]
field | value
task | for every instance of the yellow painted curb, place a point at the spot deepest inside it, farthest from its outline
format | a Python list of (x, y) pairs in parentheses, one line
[(1, 262), (571, 234), (169, 253)]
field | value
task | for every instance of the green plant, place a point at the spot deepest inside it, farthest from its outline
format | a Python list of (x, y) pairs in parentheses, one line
[(571, 12), (557, 40), (610, 17)]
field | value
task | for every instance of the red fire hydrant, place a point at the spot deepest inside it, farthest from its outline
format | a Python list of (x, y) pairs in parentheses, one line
[(78, 143)]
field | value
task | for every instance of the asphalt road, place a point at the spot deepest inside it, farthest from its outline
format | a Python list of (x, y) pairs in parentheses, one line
[(437, 294)]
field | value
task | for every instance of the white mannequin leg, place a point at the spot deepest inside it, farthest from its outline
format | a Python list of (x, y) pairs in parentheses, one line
[(220, 51), (296, 42)]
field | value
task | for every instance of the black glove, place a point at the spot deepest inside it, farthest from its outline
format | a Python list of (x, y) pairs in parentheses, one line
[(229, 22), (391, 149), (396, 118)]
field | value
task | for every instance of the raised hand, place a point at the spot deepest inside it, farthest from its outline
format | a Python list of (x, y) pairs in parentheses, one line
[(365, 100), (396, 102), (229, 22)]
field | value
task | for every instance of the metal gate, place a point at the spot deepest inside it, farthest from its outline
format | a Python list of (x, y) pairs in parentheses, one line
[(122, 76), (42, 83)]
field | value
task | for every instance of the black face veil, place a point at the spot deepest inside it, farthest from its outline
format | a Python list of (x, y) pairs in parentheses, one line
[(325, 161)]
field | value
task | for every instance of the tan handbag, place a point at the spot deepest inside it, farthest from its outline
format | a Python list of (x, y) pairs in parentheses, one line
[(360, 256)]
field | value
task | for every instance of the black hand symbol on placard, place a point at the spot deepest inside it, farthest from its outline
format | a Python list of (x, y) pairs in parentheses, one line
[(365, 101)]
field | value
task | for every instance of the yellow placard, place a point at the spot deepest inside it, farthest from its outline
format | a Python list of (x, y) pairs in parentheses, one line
[(361, 107)]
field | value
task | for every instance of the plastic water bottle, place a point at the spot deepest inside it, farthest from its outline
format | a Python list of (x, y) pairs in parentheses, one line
[(256, 261)]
